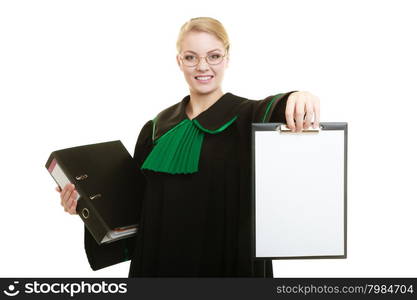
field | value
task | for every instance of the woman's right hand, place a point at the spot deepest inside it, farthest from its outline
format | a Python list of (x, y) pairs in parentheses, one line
[(68, 196)]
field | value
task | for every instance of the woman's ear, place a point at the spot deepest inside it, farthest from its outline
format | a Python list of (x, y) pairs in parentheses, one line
[(179, 61), (226, 63)]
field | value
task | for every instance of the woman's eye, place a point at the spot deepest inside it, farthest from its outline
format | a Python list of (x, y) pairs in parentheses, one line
[(189, 57), (214, 56)]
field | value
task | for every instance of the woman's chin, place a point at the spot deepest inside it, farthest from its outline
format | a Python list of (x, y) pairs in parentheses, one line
[(204, 90)]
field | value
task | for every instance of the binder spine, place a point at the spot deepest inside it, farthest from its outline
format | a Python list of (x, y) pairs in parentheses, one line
[(85, 208), (91, 219)]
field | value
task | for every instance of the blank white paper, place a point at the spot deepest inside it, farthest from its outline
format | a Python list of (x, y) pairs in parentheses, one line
[(299, 192)]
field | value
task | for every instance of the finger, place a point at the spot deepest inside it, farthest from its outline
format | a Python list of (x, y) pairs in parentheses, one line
[(59, 190), (67, 186), (63, 192), (69, 204), (289, 113), (308, 120), (65, 207), (316, 114), (74, 196), (299, 115), (74, 203), (73, 208), (68, 191), (71, 199), (67, 194)]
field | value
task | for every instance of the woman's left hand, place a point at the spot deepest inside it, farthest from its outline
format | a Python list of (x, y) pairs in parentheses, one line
[(302, 107)]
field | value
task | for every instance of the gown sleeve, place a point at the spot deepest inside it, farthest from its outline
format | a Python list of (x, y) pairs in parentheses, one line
[(101, 256), (271, 109)]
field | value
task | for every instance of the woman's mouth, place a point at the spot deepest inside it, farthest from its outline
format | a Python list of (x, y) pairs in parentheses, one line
[(204, 79)]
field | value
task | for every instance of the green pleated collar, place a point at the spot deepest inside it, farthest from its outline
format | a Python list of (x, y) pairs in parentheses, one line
[(213, 118), (178, 139)]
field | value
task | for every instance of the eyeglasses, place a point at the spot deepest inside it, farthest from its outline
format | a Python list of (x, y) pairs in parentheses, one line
[(191, 60)]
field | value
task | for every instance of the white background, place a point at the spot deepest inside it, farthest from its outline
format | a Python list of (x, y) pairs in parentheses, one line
[(81, 72)]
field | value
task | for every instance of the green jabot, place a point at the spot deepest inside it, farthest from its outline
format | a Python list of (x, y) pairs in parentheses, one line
[(178, 150)]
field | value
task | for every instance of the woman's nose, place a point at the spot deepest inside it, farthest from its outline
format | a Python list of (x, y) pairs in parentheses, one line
[(202, 65)]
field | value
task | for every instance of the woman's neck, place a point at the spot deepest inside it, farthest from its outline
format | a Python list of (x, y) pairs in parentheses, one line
[(200, 102)]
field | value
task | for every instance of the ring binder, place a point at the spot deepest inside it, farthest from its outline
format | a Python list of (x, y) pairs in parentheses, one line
[(85, 213), (106, 179)]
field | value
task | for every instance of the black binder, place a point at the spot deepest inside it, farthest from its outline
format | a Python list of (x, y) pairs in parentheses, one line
[(106, 178)]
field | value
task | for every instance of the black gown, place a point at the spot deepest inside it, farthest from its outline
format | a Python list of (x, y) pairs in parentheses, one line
[(198, 224)]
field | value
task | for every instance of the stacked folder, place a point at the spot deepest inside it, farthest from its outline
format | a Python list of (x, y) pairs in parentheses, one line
[(106, 178)]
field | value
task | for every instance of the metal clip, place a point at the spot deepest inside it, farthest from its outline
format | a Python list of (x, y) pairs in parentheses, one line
[(284, 129), (95, 196), (81, 177)]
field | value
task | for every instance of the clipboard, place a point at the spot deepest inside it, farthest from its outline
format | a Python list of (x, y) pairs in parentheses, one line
[(299, 192)]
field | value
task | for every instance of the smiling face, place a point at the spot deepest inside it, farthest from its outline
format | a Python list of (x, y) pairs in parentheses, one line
[(203, 78)]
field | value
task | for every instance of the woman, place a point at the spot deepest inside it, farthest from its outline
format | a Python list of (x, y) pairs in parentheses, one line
[(195, 162)]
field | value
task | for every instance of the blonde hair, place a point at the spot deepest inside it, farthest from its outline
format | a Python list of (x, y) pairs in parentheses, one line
[(204, 24)]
